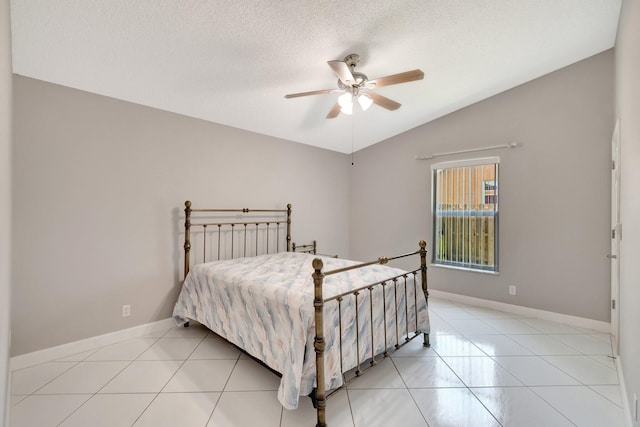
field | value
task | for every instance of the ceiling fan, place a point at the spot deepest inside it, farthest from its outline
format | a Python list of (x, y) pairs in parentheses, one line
[(356, 87)]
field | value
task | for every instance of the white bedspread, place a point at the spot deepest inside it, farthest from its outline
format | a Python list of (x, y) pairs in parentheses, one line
[(264, 305)]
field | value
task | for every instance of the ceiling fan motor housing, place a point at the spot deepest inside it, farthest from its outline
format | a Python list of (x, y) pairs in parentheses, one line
[(352, 60), (360, 80)]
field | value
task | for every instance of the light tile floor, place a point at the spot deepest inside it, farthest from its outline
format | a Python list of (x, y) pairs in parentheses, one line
[(484, 368)]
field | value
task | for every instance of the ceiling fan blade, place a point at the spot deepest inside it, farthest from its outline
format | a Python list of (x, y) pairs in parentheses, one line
[(342, 71), (313, 92), (335, 110), (394, 79), (383, 101)]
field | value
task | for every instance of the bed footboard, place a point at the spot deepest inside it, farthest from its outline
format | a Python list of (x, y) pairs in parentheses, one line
[(320, 395)]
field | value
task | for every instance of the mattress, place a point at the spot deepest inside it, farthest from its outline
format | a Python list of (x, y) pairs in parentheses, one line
[(264, 305)]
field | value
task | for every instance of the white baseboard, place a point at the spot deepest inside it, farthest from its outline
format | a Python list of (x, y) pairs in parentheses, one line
[(525, 311), (64, 350), (626, 410)]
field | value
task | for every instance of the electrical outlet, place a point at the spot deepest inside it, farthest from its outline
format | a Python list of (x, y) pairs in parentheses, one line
[(126, 310), (512, 290)]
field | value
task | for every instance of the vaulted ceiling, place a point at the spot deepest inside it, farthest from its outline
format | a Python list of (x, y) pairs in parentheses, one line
[(232, 62)]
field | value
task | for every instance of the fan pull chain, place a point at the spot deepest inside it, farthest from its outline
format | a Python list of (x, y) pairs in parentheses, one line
[(352, 133)]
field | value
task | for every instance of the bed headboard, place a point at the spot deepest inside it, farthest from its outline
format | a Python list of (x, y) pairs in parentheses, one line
[(235, 232)]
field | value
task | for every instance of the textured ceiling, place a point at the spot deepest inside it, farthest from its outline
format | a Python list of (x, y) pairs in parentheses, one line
[(232, 62)]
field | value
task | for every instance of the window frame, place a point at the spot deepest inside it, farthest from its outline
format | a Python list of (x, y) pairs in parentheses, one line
[(484, 161)]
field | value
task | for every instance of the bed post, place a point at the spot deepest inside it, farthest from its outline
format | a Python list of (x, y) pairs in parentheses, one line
[(289, 227), (318, 303), (187, 236), (423, 274)]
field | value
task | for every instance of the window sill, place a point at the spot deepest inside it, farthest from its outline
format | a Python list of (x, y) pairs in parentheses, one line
[(470, 270)]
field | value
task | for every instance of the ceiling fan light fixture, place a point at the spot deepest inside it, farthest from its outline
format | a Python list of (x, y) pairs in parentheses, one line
[(365, 101), (346, 103), (347, 109)]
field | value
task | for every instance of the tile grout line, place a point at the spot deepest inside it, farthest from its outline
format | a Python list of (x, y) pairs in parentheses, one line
[(169, 380), (52, 379), (606, 385), (223, 391), (75, 363), (112, 378), (406, 388), (465, 384), (532, 388)]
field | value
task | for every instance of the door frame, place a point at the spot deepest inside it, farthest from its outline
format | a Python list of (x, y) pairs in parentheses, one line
[(616, 230)]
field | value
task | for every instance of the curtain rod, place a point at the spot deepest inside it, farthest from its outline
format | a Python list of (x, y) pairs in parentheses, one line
[(470, 150)]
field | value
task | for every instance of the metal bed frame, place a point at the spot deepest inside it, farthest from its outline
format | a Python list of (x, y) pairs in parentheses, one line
[(245, 227)]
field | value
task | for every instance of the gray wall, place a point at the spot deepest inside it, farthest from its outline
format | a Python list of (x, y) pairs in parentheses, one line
[(98, 188), (554, 190), (5, 202), (628, 110)]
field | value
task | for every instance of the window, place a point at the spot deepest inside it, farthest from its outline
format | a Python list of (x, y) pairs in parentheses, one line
[(465, 214)]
